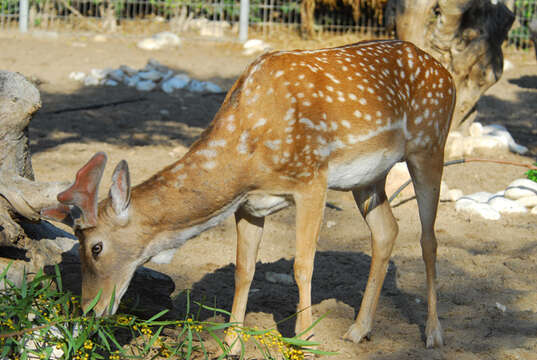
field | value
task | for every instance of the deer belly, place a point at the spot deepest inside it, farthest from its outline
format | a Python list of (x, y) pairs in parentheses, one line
[(261, 205), (361, 171)]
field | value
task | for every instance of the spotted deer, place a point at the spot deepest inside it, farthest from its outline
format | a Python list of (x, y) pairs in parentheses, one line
[(295, 124)]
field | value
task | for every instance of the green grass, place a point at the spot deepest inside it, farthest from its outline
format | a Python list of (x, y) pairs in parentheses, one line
[(38, 320), (532, 174)]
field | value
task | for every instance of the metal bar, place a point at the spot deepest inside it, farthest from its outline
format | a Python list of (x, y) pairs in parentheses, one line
[(23, 16), (243, 20)]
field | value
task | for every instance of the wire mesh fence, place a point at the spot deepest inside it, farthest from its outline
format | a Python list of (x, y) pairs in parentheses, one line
[(525, 11), (208, 17), (220, 18)]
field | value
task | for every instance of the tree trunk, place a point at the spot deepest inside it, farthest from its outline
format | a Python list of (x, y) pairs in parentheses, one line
[(307, 19), (21, 197), (465, 36)]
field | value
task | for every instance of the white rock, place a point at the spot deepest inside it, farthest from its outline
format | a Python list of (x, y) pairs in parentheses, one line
[(254, 45), (330, 223), (470, 206), (484, 142), (145, 85), (110, 82), (454, 194), (77, 76), (212, 87), (179, 81), (91, 81), (152, 75), (476, 129), (99, 73), (128, 70), (279, 278), (534, 211), (501, 307), (480, 197), (521, 188), (500, 133), (100, 38), (455, 147), (116, 75), (528, 201), (444, 190), (196, 86), (159, 41), (503, 205)]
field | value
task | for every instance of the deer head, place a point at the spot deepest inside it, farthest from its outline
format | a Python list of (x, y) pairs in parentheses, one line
[(95, 225)]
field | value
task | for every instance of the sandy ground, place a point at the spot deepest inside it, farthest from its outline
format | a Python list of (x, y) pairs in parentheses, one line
[(480, 263)]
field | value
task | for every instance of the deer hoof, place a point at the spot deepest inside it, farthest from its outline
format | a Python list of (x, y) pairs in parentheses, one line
[(434, 337), (357, 334)]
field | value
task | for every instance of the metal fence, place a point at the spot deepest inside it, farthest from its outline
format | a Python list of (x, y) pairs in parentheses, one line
[(217, 18)]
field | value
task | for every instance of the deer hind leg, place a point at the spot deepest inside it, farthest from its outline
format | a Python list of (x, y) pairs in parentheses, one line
[(376, 210), (249, 234), (309, 214), (426, 173)]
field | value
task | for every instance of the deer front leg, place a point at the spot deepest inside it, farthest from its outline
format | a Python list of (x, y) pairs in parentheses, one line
[(309, 215), (376, 210), (249, 234)]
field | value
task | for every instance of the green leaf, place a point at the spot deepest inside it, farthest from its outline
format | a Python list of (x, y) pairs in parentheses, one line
[(103, 338), (93, 302), (112, 301), (299, 342), (58, 278), (214, 309), (153, 339), (154, 317), (189, 343)]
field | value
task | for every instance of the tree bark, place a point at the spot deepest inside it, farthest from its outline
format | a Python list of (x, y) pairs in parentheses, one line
[(465, 36), (21, 196)]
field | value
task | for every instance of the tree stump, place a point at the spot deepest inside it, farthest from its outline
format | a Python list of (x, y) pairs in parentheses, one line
[(465, 36), (23, 237)]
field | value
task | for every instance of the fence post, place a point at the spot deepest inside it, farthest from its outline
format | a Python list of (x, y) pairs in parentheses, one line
[(243, 20), (23, 15)]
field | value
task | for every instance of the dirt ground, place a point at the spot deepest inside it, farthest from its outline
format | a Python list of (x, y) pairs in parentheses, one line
[(482, 264)]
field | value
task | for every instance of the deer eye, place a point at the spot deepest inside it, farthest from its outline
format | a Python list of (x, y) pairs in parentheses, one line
[(96, 249)]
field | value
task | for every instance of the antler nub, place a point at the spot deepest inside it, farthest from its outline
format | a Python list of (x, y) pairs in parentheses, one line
[(78, 204), (83, 193)]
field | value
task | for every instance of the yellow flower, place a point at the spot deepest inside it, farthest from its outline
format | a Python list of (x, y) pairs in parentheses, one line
[(88, 345), (122, 320)]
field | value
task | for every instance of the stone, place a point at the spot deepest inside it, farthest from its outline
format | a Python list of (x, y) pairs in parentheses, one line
[(116, 75), (91, 81), (77, 76), (484, 210), (476, 129), (528, 201), (145, 85), (179, 81), (159, 41), (500, 133), (213, 88), (253, 46), (152, 75), (480, 197), (503, 205), (521, 188), (454, 195), (196, 86)]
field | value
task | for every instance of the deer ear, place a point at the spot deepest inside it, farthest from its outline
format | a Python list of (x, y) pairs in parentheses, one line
[(120, 191)]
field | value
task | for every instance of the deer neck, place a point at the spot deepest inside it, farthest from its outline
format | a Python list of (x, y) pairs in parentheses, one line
[(188, 197)]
